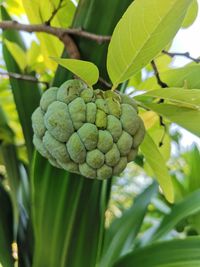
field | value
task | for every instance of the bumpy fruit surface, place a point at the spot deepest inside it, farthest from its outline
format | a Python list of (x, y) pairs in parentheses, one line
[(91, 132)]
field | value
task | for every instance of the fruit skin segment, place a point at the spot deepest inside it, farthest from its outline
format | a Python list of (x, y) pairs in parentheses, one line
[(94, 133)]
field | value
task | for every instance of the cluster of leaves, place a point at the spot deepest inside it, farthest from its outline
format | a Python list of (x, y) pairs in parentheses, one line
[(57, 218)]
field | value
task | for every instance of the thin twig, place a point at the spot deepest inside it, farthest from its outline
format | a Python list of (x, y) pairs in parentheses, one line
[(186, 55), (159, 81), (163, 85), (164, 132), (23, 77), (56, 31), (55, 11)]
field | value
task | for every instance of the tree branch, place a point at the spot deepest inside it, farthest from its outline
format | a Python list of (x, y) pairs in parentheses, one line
[(23, 77), (56, 31), (186, 55)]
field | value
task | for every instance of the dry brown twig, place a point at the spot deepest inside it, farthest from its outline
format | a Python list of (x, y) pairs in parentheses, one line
[(63, 34), (56, 31)]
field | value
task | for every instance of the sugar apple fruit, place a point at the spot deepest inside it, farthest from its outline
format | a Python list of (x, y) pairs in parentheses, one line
[(94, 133)]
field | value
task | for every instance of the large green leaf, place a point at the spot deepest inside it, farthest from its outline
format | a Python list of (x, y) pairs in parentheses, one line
[(187, 76), (144, 30), (189, 98), (191, 14), (186, 117), (87, 71), (60, 202), (122, 232), (175, 253), (157, 163)]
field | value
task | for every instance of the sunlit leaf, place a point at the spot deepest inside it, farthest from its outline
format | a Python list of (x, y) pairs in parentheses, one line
[(87, 71), (187, 76), (65, 14), (41, 11), (189, 98), (162, 62), (18, 54), (14, 6), (149, 118), (33, 53), (157, 163), (186, 117), (191, 14), (144, 30)]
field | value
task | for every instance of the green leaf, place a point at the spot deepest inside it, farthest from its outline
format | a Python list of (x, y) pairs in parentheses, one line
[(6, 229), (122, 232), (158, 165), (84, 19), (18, 54), (193, 160), (188, 206), (189, 98), (175, 253), (144, 30), (6, 133), (38, 12), (185, 117), (65, 14), (187, 76), (191, 14), (85, 70), (63, 218), (33, 53), (26, 94), (156, 133)]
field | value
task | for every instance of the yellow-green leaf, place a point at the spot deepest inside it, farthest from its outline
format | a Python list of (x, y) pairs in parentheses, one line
[(40, 11), (144, 30), (186, 117), (33, 53), (189, 98), (191, 14), (157, 163), (187, 76), (85, 70), (18, 54)]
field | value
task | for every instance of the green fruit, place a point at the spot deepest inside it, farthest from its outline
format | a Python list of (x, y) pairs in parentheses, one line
[(94, 133)]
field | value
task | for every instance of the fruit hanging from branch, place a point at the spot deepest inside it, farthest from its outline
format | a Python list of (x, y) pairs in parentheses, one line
[(91, 132)]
